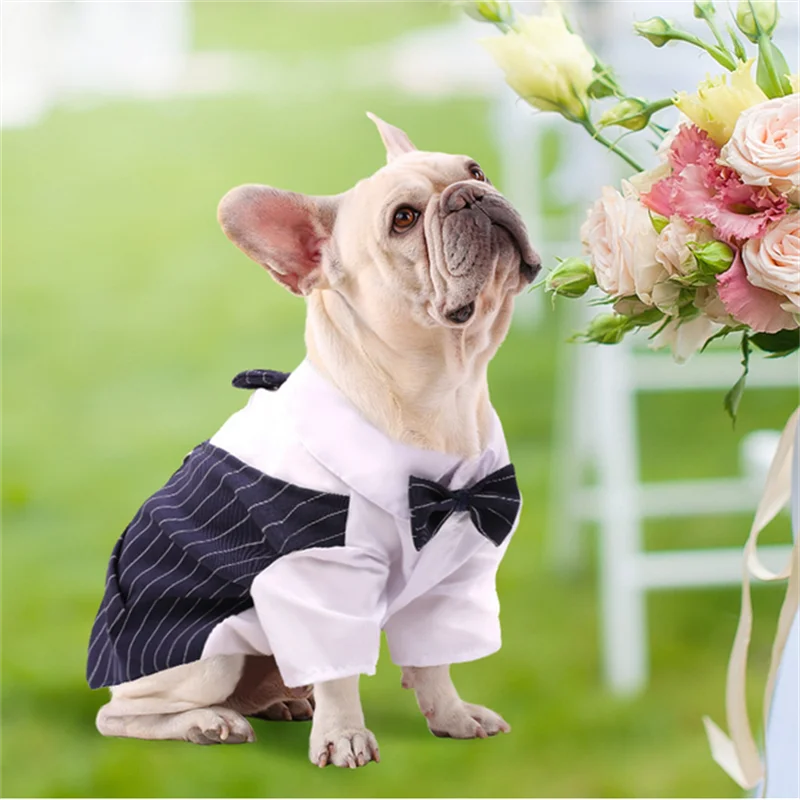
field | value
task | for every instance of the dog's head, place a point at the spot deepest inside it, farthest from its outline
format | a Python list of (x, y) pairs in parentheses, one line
[(426, 241)]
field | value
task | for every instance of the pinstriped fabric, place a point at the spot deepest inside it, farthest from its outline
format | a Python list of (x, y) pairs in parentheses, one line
[(493, 505), (187, 560), (260, 379)]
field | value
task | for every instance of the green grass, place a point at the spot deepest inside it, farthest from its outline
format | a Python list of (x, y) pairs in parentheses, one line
[(126, 313)]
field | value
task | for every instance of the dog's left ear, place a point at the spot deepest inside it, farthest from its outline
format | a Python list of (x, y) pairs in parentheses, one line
[(283, 231), (395, 141)]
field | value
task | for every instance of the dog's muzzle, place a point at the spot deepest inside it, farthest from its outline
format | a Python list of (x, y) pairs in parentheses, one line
[(470, 210)]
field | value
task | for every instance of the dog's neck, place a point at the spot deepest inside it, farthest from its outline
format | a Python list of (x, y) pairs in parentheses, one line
[(430, 395)]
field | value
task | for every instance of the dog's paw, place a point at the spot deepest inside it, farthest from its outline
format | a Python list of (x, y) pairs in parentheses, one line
[(465, 721), (288, 711), (343, 747), (216, 725)]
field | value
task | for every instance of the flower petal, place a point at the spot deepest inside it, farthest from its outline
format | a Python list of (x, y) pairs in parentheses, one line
[(757, 308)]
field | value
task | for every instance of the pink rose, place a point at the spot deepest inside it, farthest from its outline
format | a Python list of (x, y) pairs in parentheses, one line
[(765, 146), (621, 241), (773, 262)]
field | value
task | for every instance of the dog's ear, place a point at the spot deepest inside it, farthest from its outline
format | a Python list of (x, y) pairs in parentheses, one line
[(395, 141), (283, 231)]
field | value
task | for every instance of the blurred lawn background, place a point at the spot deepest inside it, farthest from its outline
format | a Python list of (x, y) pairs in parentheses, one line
[(126, 313)]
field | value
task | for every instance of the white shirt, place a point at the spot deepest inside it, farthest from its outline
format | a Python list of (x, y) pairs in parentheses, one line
[(320, 611)]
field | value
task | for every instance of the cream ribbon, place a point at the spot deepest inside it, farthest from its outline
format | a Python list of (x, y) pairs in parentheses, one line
[(738, 753)]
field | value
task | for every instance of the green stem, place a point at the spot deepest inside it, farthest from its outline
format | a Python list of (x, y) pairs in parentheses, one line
[(593, 132), (721, 56), (717, 35), (766, 56), (657, 105)]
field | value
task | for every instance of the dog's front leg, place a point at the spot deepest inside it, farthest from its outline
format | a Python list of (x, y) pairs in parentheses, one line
[(446, 712), (338, 735)]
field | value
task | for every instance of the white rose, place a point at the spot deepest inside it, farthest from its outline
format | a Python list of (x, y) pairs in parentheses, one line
[(619, 237), (773, 262), (765, 146), (708, 301), (545, 64), (672, 248), (685, 338), (666, 297)]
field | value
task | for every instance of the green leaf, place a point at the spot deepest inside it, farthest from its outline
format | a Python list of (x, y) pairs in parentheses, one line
[(659, 222), (734, 397), (718, 335), (772, 71), (782, 342), (738, 47), (601, 87)]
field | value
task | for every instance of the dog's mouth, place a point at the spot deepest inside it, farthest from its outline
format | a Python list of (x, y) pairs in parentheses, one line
[(463, 314)]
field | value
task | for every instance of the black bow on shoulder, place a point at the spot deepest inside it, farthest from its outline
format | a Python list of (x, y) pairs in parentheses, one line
[(260, 379), (493, 505)]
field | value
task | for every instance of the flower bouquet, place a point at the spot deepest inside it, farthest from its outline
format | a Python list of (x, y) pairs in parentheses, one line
[(706, 243)]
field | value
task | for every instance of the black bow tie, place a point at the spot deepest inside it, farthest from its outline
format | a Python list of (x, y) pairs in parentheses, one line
[(493, 504)]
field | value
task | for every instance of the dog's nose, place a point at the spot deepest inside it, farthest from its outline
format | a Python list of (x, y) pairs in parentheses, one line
[(458, 196)]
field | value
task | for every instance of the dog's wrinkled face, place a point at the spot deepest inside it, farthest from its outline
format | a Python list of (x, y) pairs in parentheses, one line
[(425, 240)]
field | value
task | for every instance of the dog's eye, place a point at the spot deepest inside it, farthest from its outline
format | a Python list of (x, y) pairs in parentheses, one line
[(404, 219), (477, 173)]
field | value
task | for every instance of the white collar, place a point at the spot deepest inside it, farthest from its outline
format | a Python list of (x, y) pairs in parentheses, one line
[(366, 459)]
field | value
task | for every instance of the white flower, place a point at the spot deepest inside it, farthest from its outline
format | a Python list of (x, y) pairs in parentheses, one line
[(708, 301), (765, 146), (773, 262), (545, 64), (666, 297), (621, 240), (672, 248), (685, 338)]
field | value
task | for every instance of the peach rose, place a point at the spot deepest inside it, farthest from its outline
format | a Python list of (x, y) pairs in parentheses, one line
[(672, 249), (773, 262), (619, 237), (765, 146)]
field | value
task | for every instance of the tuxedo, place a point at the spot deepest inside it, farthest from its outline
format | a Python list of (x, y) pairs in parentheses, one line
[(301, 530)]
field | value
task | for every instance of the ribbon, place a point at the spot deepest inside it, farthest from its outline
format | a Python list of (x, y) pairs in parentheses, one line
[(738, 753)]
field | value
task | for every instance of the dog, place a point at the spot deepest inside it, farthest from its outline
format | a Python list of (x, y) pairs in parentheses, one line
[(368, 491)]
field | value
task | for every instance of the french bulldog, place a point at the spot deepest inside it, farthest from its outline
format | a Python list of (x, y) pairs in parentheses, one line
[(409, 280)]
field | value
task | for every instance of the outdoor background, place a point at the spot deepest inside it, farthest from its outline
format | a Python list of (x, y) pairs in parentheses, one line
[(126, 313)]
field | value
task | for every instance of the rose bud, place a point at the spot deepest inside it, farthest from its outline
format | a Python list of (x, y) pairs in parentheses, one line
[(571, 278)]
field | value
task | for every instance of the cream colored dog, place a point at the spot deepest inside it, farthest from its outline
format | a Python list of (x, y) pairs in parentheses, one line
[(409, 280)]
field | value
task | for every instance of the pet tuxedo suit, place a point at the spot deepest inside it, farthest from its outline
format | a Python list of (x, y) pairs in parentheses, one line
[(301, 530)]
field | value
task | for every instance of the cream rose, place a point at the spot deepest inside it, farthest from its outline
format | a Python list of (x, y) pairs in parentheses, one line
[(643, 182), (685, 338), (619, 237), (765, 146), (773, 262), (708, 301), (672, 248)]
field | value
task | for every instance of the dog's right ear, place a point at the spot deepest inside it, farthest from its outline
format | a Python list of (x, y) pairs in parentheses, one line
[(283, 231), (394, 140)]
